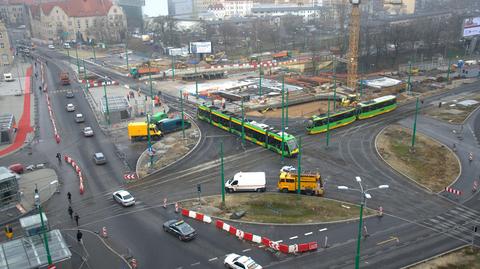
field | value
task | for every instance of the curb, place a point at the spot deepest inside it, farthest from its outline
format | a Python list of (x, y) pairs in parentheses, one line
[(411, 179), (434, 257)]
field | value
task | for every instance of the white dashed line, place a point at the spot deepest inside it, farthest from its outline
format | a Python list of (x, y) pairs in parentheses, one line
[(293, 237), (245, 250), (195, 264), (212, 259), (322, 230), (279, 241), (309, 233), (262, 246)]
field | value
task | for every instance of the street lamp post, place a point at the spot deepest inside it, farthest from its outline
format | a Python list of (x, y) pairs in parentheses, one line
[(150, 152), (196, 82), (76, 55), (414, 125), (260, 79), (85, 75), (106, 99), (283, 115), (243, 122), (183, 117), (365, 195), (222, 173), (44, 232)]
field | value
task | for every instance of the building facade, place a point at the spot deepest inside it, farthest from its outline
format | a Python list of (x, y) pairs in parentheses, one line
[(6, 56), (307, 12), (133, 12), (80, 20)]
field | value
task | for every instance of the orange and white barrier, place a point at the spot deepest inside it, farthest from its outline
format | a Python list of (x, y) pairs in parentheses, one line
[(50, 113), (78, 170), (104, 232), (196, 215)]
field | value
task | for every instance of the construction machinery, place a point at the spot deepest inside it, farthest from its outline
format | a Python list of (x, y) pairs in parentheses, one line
[(137, 72), (214, 58)]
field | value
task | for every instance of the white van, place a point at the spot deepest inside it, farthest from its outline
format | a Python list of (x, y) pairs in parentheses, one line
[(8, 77), (246, 181)]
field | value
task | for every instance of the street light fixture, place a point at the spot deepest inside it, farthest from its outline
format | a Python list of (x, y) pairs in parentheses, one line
[(365, 195), (36, 198)]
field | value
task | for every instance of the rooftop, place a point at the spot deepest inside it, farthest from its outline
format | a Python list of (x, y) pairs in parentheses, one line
[(78, 8)]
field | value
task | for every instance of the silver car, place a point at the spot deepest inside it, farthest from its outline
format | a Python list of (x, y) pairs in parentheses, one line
[(99, 158), (124, 198), (88, 131)]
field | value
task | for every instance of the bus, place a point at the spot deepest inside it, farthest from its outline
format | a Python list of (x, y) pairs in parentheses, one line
[(364, 110), (257, 133), (320, 123)]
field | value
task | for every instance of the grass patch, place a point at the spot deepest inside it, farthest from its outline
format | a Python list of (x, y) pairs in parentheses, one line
[(431, 165), (276, 208), (465, 258), (454, 114)]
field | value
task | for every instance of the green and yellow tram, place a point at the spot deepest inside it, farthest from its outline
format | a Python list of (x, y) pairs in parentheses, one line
[(364, 110), (260, 134)]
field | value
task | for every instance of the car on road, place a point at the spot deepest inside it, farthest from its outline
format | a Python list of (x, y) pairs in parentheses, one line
[(99, 158), (17, 168), (180, 229), (79, 118), (124, 198), (69, 94), (240, 262), (52, 47), (70, 107), (288, 169), (88, 131)]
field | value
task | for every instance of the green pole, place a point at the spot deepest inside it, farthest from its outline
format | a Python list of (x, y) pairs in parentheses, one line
[(68, 54), (361, 89), (286, 110), (409, 86), (449, 69), (173, 67), (335, 97), (196, 82), (126, 53), (106, 100), (149, 140), (260, 80), (181, 107), (328, 123), (94, 55), (78, 63), (44, 232), (334, 85), (415, 124), (222, 173), (359, 237), (243, 123), (85, 75), (299, 167), (283, 116), (151, 87)]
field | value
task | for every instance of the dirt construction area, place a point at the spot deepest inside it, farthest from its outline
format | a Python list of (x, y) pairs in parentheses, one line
[(304, 110), (430, 165), (466, 258), (456, 109)]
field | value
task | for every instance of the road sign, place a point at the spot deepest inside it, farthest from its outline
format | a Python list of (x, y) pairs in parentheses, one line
[(129, 176)]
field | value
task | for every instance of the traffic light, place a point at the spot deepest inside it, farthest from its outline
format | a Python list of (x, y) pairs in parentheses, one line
[(199, 188)]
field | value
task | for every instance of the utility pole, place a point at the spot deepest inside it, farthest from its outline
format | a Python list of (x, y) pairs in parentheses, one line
[(149, 149), (243, 122), (78, 63), (449, 69), (106, 99), (283, 116), (328, 123), (222, 174), (196, 81), (334, 83), (85, 75), (94, 55), (359, 236), (409, 86), (68, 55), (414, 126), (299, 167), (183, 118), (286, 110), (44, 232), (260, 79), (151, 87), (173, 67)]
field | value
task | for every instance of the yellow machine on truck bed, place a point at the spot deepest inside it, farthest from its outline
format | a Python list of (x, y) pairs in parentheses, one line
[(310, 183), (138, 131)]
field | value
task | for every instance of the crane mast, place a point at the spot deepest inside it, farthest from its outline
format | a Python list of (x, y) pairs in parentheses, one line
[(353, 42)]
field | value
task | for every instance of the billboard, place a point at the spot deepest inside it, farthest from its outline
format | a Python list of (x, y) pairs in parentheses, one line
[(200, 47), (175, 51), (471, 27)]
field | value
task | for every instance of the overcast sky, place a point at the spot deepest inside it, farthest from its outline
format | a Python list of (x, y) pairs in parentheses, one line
[(155, 7)]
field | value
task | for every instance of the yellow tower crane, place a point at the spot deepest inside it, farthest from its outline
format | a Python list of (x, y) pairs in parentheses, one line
[(354, 39)]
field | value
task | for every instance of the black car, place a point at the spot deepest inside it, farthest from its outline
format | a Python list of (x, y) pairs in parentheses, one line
[(179, 228)]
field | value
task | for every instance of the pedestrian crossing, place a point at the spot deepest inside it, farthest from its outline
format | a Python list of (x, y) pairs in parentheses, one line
[(63, 91), (458, 223)]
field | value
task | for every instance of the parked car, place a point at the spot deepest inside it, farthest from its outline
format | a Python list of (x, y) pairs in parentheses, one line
[(69, 94), (99, 158), (88, 131), (70, 107), (240, 262), (124, 198), (79, 118), (180, 229), (288, 169), (52, 47), (17, 168)]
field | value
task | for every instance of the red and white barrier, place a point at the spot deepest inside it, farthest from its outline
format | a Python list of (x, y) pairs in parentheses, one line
[(104, 232), (52, 118), (452, 190), (475, 186), (75, 166), (196, 215), (97, 83)]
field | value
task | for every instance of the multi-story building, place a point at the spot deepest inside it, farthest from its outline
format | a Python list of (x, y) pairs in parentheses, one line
[(80, 20), (133, 13), (238, 8), (6, 56), (14, 12), (181, 8), (307, 12)]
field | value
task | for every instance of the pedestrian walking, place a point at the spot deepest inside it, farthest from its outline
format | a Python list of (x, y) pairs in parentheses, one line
[(59, 157), (69, 197), (76, 217), (79, 236), (70, 211)]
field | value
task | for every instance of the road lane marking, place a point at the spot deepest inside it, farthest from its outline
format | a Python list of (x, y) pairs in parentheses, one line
[(392, 238), (293, 237), (322, 230), (212, 259), (279, 241), (245, 250), (195, 264), (309, 233)]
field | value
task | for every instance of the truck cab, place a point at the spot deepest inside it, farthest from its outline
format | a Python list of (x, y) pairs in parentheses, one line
[(310, 183)]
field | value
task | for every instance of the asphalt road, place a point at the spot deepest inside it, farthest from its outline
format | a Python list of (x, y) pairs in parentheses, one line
[(425, 223)]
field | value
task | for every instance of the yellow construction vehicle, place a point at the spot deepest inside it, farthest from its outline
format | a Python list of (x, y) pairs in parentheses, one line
[(310, 183), (214, 58), (349, 100), (138, 131)]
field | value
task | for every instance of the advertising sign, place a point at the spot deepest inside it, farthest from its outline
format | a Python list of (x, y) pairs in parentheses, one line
[(175, 52), (200, 47), (471, 27)]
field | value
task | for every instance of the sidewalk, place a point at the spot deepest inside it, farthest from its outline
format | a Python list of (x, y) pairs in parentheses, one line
[(45, 180)]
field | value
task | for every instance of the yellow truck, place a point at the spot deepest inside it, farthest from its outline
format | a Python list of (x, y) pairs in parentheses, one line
[(310, 183), (138, 131)]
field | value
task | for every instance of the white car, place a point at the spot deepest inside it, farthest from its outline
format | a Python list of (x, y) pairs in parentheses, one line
[(88, 131), (124, 198), (288, 169), (70, 107), (52, 47), (240, 262)]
